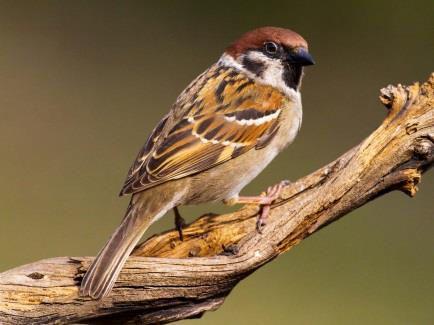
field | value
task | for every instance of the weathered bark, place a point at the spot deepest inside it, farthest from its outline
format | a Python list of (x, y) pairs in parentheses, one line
[(169, 280)]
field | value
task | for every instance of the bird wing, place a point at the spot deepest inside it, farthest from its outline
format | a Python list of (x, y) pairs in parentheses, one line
[(220, 116)]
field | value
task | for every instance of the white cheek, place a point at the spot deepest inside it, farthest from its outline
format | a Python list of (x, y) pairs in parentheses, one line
[(273, 73)]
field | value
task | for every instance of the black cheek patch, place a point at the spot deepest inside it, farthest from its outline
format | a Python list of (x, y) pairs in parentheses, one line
[(255, 67)]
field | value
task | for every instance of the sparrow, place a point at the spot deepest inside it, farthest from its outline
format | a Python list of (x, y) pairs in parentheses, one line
[(222, 131)]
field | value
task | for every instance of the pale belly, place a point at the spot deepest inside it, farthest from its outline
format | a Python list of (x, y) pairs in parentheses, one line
[(226, 181)]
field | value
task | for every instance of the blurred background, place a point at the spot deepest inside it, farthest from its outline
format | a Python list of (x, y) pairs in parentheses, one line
[(82, 83)]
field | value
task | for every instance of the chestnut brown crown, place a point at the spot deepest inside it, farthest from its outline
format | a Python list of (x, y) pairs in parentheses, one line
[(256, 38)]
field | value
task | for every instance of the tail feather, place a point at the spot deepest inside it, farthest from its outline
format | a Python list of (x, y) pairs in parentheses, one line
[(104, 270)]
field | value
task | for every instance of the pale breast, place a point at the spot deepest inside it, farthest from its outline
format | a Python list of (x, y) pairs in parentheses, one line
[(290, 123)]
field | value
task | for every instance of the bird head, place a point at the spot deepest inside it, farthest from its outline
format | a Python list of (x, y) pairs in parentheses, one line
[(272, 55)]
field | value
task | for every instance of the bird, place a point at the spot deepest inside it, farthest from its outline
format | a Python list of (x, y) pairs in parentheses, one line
[(225, 127)]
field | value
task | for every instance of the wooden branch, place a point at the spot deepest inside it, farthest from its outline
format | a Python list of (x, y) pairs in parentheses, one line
[(168, 280)]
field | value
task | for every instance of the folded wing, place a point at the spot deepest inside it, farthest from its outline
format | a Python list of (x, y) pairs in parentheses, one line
[(218, 125)]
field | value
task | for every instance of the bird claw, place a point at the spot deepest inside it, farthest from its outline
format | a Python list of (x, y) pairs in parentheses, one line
[(272, 194), (260, 222), (179, 224)]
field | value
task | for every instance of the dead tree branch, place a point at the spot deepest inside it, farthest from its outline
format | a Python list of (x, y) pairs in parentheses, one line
[(169, 280)]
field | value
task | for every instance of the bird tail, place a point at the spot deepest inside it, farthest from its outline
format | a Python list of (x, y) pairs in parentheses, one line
[(104, 270)]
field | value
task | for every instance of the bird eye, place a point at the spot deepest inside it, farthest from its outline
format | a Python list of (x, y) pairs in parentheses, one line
[(271, 47)]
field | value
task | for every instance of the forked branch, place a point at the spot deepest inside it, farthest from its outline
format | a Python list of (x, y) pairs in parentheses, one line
[(169, 280)]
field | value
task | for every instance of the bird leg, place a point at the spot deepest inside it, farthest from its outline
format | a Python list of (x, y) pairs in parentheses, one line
[(179, 223), (264, 200)]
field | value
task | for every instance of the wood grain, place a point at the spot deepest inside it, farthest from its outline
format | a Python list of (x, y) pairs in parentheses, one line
[(168, 280)]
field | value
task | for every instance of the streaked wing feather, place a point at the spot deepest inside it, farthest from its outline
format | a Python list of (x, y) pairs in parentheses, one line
[(224, 114), (144, 152)]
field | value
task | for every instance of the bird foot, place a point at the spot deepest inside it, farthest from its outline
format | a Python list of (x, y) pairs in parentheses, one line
[(271, 195), (264, 200), (179, 223)]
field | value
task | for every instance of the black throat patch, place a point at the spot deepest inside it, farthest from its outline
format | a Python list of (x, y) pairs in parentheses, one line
[(292, 74)]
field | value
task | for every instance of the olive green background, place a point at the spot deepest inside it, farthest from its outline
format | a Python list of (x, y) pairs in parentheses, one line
[(82, 83)]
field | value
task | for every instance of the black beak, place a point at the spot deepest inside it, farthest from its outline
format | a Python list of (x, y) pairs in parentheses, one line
[(301, 56)]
